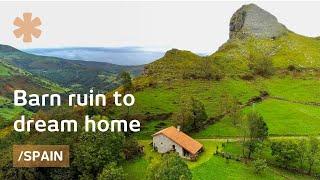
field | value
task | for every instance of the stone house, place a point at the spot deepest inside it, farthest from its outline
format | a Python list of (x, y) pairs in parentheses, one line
[(172, 139)]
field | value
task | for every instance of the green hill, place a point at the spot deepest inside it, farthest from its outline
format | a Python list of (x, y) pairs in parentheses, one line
[(12, 78), (76, 75)]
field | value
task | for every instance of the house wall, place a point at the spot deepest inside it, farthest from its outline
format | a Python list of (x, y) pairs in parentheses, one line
[(164, 144)]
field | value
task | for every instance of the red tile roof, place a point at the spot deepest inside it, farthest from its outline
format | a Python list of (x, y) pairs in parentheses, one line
[(185, 141)]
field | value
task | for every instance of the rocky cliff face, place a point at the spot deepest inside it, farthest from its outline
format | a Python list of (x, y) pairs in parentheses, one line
[(251, 20)]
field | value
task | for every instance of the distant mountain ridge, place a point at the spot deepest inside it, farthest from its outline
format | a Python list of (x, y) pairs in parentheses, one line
[(114, 55), (74, 74)]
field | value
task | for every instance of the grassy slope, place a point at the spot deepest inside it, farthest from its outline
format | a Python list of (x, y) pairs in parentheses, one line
[(166, 97), (290, 49), (16, 76), (282, 117)]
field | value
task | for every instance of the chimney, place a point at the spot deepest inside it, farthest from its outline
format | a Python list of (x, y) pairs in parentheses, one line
[(178, 128)]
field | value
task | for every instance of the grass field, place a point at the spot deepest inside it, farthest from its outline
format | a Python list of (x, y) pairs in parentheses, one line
[(222, 128), (297, 89), (284, 118)]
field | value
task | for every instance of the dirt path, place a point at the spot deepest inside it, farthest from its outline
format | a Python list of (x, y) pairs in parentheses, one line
[(234, 139)]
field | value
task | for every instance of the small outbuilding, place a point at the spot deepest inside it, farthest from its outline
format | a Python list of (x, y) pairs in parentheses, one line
[(172, 139)]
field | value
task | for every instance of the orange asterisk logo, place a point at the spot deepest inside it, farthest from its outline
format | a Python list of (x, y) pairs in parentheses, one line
[(27, 27)]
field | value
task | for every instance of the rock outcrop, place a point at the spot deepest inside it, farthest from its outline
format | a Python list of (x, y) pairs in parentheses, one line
[(251, 20)]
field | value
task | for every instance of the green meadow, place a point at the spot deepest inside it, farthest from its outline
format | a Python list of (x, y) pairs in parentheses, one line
[(284, 118), (219, 168)]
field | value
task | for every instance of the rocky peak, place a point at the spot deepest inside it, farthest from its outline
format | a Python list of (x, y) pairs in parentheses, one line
[(251, 20)]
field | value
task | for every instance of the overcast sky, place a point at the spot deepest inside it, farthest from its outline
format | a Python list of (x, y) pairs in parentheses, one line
[(197, 26)]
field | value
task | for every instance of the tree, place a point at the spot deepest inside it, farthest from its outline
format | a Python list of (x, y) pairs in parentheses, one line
[(261, 64), (258, 129), (252, 146), (112, 172), (169, 167), (191, 115), (184, 117), (94, 150), (312, 152), (126, 81), (285, 152), (127, 85), (259, 165), (131, 148), (199, 113), (245, 131), (235, 114)]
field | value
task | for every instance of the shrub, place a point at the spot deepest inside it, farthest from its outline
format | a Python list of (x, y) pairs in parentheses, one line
[(113, 172), (259, 165), (131, 148), (202, 69), (170, 166), (261, 65), (285, 153)]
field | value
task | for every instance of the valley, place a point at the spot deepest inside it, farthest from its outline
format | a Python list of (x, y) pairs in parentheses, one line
[(75, 75)]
